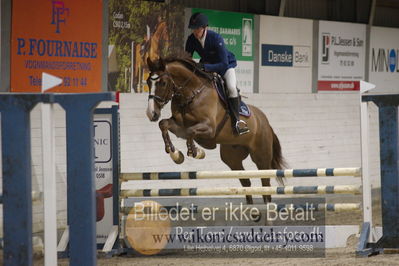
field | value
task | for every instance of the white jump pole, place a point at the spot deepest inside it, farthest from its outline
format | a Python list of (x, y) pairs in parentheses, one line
[(49, 175)]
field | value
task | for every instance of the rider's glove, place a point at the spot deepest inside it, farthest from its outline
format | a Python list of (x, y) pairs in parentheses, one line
[(201, 66)]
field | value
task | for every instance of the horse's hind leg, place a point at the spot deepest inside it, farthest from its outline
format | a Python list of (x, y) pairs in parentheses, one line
[(233, 155), (263, 162)]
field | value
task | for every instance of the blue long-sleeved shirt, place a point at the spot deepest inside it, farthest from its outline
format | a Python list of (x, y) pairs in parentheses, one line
[(214, 55)]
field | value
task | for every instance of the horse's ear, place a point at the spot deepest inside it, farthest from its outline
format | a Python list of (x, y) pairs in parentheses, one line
[(150, 64)]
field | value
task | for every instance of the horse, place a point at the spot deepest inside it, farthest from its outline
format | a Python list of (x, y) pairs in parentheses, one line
[(152, 47), (199, 115)]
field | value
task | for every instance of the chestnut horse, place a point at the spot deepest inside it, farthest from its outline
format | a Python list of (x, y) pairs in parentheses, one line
[(199, 115)]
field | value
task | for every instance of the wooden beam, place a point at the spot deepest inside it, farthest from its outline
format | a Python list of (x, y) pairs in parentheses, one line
[(282, 8), (372, 12), (388, 3)]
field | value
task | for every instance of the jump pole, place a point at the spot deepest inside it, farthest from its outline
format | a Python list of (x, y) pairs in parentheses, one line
[(329, 207), (340, 189), (244, 174)]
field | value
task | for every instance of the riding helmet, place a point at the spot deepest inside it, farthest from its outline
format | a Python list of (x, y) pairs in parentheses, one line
[(198, 20)]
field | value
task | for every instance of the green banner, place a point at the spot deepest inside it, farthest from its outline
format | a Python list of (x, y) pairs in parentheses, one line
[(236, 28)]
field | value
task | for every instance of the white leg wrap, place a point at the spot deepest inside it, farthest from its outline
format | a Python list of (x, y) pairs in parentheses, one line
[(200, 154), (177, 156)]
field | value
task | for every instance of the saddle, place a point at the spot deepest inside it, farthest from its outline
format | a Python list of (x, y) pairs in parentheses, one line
[(221, 89)]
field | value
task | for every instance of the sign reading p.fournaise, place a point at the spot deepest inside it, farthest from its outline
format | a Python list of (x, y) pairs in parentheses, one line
[(342, 53), (60, 37)]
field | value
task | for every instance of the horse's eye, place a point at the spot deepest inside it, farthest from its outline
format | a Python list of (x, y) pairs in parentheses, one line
[(161, 83)]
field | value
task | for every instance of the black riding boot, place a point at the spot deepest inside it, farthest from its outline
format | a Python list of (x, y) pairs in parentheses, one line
[(239, 126)]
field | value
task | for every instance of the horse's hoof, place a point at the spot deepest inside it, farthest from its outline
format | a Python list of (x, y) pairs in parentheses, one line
[(177, 156), (200, 154)]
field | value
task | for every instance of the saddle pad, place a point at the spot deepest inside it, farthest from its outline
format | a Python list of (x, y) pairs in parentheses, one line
[(244, 109)]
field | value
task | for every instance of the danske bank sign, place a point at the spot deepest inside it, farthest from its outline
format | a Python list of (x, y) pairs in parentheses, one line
[(285, 55)]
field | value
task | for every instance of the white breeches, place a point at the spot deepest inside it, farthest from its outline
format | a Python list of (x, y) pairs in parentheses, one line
[(231, 82)]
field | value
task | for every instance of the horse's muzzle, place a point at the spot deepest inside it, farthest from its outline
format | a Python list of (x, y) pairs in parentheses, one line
[(152, 113), (155, 117)]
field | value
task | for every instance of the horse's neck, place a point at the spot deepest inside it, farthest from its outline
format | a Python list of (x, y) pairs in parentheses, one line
[(187, 80)]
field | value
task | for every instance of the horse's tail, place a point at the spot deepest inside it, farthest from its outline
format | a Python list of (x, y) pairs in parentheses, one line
[(278, 161)]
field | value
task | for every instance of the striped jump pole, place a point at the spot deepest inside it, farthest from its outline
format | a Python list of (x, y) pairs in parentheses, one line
[(243, 174), (329, 207), (340, 189)]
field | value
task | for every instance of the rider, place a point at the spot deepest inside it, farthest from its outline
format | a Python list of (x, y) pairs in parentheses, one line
[(216, 58)]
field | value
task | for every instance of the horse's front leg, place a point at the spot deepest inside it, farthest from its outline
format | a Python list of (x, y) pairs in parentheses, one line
[(170, 125), (194, 151), (202, 130)]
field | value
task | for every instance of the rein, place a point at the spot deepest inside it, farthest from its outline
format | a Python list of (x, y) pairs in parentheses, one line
[(176, 91), (188, 100)]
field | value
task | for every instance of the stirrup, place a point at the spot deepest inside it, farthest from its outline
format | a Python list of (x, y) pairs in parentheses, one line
[(241, 127)]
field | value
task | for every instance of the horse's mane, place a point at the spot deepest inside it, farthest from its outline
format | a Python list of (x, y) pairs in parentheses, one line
[(190, 64)]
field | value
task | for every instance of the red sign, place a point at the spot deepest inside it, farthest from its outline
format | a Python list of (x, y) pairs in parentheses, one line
[(58, 37), (327, 85)]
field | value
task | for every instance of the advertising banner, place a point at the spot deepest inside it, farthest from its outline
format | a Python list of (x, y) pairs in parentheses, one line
[(237, 30), (384, 58), (341, 58), (106, 170), (62, 38), (139, 30), (285, 50)]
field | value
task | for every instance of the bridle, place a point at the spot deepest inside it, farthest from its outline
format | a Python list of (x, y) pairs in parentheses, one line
[(176, 90), (162, 101)]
